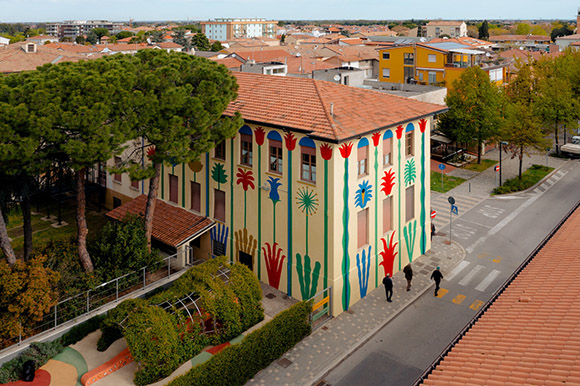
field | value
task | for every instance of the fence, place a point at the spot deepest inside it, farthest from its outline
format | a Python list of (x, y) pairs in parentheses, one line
[(322, 307), (97, 297)]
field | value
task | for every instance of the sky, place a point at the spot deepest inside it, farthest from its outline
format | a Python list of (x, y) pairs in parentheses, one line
[(178, 10)]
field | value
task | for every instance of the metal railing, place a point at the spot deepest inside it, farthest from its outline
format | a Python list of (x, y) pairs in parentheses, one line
[(322, 306), (97, 297), (494, 297)]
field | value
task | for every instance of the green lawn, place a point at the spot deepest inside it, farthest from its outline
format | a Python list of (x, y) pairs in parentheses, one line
[(485, 163), (529, 178), (448, 182)]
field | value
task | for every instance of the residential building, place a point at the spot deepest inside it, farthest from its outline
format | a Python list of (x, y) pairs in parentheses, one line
[(266, 68), (349, 76), (519, 40), (226, 29), (4, 41), (564, 41), (324, 186), (440, 28), (42, 39), (73, 28), (431, 65)]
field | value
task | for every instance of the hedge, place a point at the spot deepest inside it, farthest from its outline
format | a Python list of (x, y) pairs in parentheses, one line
[(237, 364)]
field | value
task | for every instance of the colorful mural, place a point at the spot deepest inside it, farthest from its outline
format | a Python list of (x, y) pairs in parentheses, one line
[(363, 194), (260, 134), (399, 132), (246, 179), (220, 233), (274, 262), (423, 215), (388, 182), (345, 150), (410, 172), (363, 266), (389, 254), (326, 154), (218, 174), (307, 202), (410, 232), (376, 140), (290, 142), (246, 243)]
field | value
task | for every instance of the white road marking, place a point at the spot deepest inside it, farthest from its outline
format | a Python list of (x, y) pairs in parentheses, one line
[(488, 280), (456, 270), (467, 278)]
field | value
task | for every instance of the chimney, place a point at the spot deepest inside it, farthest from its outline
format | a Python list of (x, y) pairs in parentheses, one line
[(332, 110)]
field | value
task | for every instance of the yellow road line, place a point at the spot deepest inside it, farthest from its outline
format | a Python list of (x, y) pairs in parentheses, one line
[(497, 260), (476, 305), (482, 255), (459, 299), (442, 292)]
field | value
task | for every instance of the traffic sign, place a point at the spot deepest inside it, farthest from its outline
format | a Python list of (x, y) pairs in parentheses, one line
[(451, 200), (454, 209), (433, 214), (496, 168), (442, 166)]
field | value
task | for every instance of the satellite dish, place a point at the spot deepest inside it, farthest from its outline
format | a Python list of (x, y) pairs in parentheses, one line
[(336, 77)]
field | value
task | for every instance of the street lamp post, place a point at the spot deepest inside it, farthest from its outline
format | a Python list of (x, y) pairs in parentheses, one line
[(500, 168)]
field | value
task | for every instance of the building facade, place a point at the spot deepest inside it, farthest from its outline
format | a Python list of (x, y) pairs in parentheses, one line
[(452, 29), (226, 29), (324, 187), (74, 28)]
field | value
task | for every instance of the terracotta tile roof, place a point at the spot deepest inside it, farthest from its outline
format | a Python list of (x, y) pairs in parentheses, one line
[(519, 38), (272, 55), (530, 334), (570, 37), (171, 225), (305, 105), (230, 63), (305, 65), (354, 53)]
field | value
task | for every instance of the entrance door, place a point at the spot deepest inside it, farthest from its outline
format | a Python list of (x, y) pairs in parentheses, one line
[(246, 259)]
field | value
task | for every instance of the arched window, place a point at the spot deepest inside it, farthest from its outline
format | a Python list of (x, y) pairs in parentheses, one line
[(387, 147), (409, 140), (363, 157), (246, 153), (275, 152), (308, 160)]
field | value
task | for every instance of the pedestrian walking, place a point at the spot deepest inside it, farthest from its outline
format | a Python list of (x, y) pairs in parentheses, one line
[(388, 282), (408, 270), (432, 230), (437, 276)]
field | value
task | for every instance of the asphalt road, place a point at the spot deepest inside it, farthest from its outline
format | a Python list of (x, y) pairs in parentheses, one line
[(498, 234)]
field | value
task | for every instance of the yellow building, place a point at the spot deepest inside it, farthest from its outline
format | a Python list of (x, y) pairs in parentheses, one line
[(324, 187), (424, 64)]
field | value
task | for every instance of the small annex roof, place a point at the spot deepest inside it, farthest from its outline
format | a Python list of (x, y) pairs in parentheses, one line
[(530, 334), (172, 225), (328, 111)]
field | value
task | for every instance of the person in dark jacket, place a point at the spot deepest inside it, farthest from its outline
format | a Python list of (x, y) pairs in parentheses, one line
[(408, 270), (388, 282), (437, 276)]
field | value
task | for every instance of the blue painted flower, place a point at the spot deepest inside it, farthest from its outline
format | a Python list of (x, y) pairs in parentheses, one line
[(274, 184), (363, 195)]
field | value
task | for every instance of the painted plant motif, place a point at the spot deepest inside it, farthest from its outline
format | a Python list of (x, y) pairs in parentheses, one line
[(410, 171), (388, 254), (218, 173), (290, 142), (376, 140), (259, 134), (410, 234), (345, 150), (307, 277), (326, 153), (246, 179), (274, 263), (423, 216), (363, 194), (363, 266), (246, 243), (388, 182), (219, 233), (399, 133)]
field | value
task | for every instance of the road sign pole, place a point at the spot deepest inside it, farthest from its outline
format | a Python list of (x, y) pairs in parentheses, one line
[(442, 180), (450, 222)]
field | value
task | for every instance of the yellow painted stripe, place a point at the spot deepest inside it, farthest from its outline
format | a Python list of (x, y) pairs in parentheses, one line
[(459, 299), (482, 255), (476, 305), (497, 260), (442, 292), (320, 303)]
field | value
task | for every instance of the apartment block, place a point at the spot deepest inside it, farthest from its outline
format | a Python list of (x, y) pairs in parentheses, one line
[(226, 29)]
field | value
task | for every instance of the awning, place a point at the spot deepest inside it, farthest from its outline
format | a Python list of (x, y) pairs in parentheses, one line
[(172, 225), (440, 138)]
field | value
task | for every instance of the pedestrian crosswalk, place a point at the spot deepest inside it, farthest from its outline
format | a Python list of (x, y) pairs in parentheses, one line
[(442, 207), (550, 181)]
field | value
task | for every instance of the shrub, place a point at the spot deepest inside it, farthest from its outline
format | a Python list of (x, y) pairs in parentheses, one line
[(80, 331), (235, 365), (111, 326), (40, 353), (247, 289)]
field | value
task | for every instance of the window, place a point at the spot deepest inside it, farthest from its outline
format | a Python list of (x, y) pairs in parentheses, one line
[(363, 225), (135, 184), (386, 55), (220, 151), (410, 203), (275, 164), (117, 177), (219, 209), (116, 202), (363, 155), (432, 58), (409, 144), (408, 58), (387, 214), (308, 164), (387, 150), (420, 75), (173, 188), (195, 196), (432, 77), (246, 154), (386, 72), (408, 73)]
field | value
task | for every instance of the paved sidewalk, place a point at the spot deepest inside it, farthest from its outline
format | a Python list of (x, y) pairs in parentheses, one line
[(326, 347)]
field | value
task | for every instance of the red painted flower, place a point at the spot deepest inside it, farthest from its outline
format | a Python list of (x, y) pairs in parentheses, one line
[(388, 254), (399, 131), (290, 141), (376, 138), (245, 178), (388, 182), (260, 133), (151, 152), (274, 263), (345, 149), (422, 125), (326, 151)]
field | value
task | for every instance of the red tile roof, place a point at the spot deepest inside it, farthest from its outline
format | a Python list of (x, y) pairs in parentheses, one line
[(305, 105), (171, 225), (530, 335), (519, 38)]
